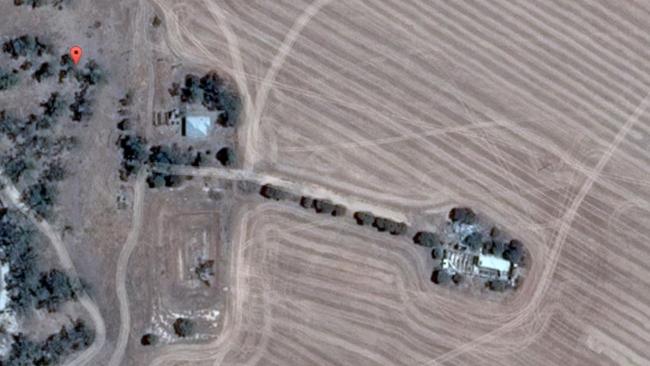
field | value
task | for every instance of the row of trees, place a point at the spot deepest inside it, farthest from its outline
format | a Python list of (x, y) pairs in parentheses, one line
[(39, 3), (380, 223), (323, 206)]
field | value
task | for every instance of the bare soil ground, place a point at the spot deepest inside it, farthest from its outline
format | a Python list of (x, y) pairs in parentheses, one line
[(534, 114)]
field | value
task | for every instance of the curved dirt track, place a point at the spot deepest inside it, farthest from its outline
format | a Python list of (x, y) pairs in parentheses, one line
[(121, 272), (13, 196), (531, 112)]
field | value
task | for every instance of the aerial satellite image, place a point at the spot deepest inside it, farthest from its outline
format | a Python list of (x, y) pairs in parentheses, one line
[(324, 182)]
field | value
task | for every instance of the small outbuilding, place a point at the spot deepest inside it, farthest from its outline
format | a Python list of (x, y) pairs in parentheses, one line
[(196, 126)]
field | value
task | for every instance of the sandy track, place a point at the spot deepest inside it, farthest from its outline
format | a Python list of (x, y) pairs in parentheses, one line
[(122, 271), (11, 194)]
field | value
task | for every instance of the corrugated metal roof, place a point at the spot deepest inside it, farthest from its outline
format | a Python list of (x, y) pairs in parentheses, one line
[(197, 126), (493, 262)]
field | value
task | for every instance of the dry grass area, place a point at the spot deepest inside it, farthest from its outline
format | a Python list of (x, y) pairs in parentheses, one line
[(533, 113)]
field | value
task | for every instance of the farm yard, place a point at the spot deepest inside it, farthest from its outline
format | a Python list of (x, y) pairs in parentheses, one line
[(532, 113)]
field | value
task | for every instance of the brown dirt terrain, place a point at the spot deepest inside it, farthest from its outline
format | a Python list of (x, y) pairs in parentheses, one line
[(534, 114)]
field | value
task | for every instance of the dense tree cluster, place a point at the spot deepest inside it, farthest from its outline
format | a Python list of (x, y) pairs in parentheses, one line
[(18, 252), (183, 327), (24, 46), (134, 155), (39, 3), (55, 288), (26, 287), (167, 155), (214, 93), (40, 197), (52, 350)]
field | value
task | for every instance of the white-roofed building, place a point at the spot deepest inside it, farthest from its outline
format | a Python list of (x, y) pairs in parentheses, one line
[(491, 263), (197, 126)]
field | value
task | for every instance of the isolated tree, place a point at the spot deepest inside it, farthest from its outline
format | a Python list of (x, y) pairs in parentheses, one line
[(462, 215), (306, 202), (198, 159), (205, 270), (226, 156), (124, 124), (91, 74), (380, 224), (457, 278), (437, 252), (339, 210), (44, 71), (397, 228), (53, 106), (183, 327), (497, 248), (364, 218), (426, 239), (80, 108), (441, 276), (274, 193), (497, 285), (323, 206), (514, 251), (149, 339), (66, 66), (474, 241)]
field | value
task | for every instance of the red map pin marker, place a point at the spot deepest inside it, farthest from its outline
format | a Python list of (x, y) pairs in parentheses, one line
[(75, 54)]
